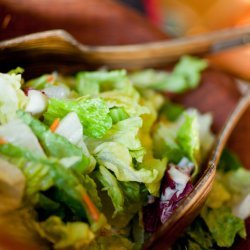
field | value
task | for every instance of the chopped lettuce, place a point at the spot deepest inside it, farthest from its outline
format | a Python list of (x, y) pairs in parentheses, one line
[(42, 173), (228, 162), (92, 112), (175, 140), (20, 134), (172, 111), (188, 137), (12, 183), (63, 235), (113, 242), (124, 132), (111, 186), (199, 237), (185, 75), (116, 158), (223, 225), (54, 144), (41, 82), (12, 97), (92, 83)]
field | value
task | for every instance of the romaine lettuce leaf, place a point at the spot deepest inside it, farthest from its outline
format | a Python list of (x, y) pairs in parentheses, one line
[(228, 161), (64, 235), (198, 234), (188, 138), (54, 144), (113, 242), (116, 158), (171, 111), (110, 185), (92, 83), (185, 75), (19, 134), (43, 173), (12, 184), (151, 163), (223, 225), (178, 139), (129, 101), (71, 128), (124, 132), (12, 97), (92, 112)]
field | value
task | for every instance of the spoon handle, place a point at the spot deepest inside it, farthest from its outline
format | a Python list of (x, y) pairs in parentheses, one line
[(60, 45)]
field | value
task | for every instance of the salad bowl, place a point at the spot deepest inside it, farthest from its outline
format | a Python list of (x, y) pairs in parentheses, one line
[(225, 97)]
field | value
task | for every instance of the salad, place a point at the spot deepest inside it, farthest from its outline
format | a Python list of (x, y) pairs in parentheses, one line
[(101, 159)]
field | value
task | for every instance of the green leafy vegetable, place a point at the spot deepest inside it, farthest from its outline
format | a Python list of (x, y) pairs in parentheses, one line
[(12, 97), (12, 183), (91, 83), (93, 114), (223, 225), (118, 114), (228, 161), (172, 111), (63, 235), (185, 76), (111, 243), (42, 173), (116, 158), (41, 82), (16, 71), (110, 184), (198, 234), (175, 140)]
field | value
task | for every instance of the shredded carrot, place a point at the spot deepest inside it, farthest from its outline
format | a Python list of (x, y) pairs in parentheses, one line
[(92, 208), (50, 78), (54, 125), (2, 141)]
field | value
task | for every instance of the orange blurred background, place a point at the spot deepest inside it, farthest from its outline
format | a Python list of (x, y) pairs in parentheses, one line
[(189, 17)]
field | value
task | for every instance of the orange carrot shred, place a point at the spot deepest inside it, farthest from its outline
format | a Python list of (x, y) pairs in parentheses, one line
[(2, 141), (92, 208), (54, 125), (50, 79)]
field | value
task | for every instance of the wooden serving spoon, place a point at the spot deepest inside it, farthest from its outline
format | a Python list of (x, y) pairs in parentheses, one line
[(59, 46)]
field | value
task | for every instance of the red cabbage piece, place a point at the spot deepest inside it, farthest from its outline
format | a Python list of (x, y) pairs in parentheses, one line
[(175, 186)]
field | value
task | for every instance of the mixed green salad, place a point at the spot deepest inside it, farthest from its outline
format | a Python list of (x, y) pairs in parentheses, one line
[(101, 159)]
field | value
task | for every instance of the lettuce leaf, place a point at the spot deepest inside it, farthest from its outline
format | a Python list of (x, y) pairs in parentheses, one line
[(110, 185), (223, 225), (19, 134), (43, 173), (113, 242), (63, 235), (12, 97), (92, 112), (12, 184), (116, 158), (54, 144), (228, 161), (185, 75), (124, 132), (92, 83), (178, 139), (188, 138)]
